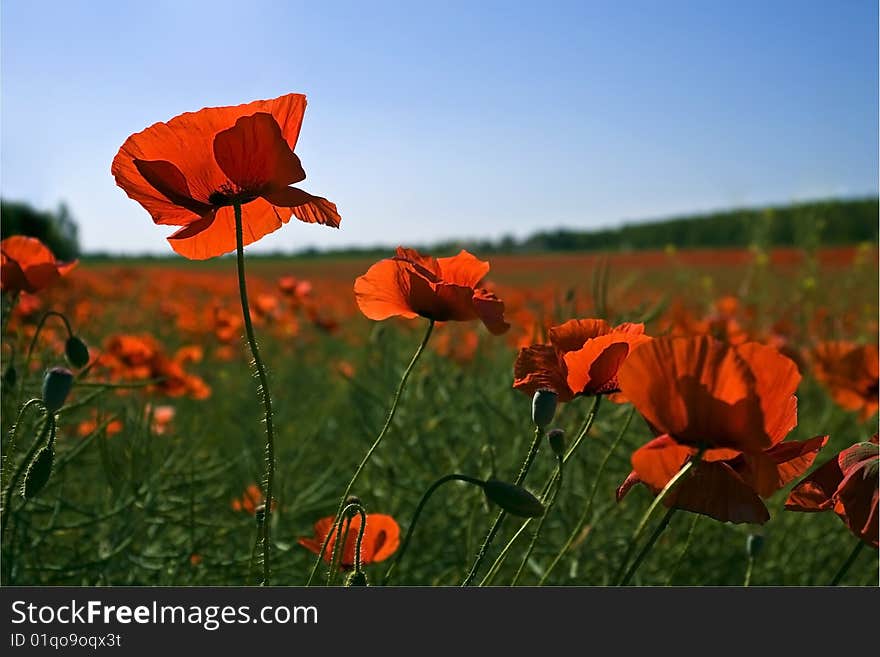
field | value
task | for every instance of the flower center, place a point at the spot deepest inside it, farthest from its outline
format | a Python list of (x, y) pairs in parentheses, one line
[(230, 194)]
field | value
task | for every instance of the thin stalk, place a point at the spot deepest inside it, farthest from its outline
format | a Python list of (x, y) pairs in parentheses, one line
[(687, 544), (672, 483), (528, 554), (588, 509), (524, 470), (421, 505), (263, 393), (664, 523), (369, 454), (850, 560), (749, 567)]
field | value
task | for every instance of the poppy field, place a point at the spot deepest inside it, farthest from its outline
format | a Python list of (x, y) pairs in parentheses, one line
[(657, 417)]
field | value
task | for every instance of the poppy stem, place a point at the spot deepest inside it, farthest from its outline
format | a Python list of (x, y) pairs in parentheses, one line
[(684, 549), (537, 534), (664, 523), (360, 538), (524, 470), (749, 567), (672, 483), (263, 393), (392, 411), (421, 505), (336, 555), (850, 560), (588, 509)]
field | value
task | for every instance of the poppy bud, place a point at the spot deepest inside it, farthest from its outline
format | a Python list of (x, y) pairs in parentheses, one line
[(56, 386), (754, 545), (38, 472), (10, 376), (557, 441), (76, 351), (516, 500), (352, 500), (543, 407), (356, 578)]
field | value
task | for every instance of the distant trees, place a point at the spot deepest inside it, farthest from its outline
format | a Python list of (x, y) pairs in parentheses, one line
[(57, 230)]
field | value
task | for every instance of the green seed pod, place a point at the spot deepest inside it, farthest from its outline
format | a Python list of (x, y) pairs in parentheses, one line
[(543, 407), (10, 376), (356, 578), (754, 545), (516, 500), (56, 386), (38, 472), (557, 441), (77, 352)]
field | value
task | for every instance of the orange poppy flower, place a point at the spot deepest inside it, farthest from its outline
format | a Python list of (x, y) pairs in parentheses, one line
[(850, 372), (709, 394), (443, 289), (847, 485), (583, 358), (26, 264), (726, 485), (381, 539), (189, 172)]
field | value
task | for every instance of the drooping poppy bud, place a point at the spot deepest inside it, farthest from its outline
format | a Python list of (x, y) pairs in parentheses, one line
[(543, 407), (56, 386), (754, 545), (516, 500), (356, 578), (557, 441), (76, 351), (38, 472)]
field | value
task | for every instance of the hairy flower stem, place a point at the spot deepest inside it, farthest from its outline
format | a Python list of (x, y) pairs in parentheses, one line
[(269, 478), (850, 560), (671, 484), (369, 454), (537, 534), (422, 502), (524, 470), (664, 523)]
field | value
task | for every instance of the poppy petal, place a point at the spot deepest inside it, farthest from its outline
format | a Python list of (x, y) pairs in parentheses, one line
[(383, 291), (571, 335), (254, 154), (816, 491), (659, 461), (777, 378), (169, 181), (538, 367), (207, 239), (307, 208), (464, 269), (491, 311), (715, 490), (593, 368)]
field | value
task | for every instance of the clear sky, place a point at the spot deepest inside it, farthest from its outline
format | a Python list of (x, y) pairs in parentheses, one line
[(430, 120)]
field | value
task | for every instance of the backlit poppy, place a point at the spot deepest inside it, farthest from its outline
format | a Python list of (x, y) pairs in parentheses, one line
[(850, 372), (191, 170), (443, 289), (26, 264), (847, 485), (381, 539), (583, 358)]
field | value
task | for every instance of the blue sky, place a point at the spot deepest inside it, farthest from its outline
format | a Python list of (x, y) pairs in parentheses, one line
[(475, 119)]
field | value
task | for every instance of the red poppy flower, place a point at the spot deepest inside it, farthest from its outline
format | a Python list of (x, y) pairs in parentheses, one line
[(26, 264), (709, 394), (381, 539), (847, 485), (443, 289), (850, 372), (726, 485), (583, 358), (190, 171)]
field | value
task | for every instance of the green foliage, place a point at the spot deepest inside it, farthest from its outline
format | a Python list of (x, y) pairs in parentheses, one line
[(57, 230)]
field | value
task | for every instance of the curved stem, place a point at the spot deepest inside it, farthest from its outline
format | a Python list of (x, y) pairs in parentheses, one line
[(33, 344), (360, 539), (850, 560), (421, 505), (369, 454), (588, 509), (672, 483), (264, 393), (749, 567), (585, 429), (523, 471), (647, 548), (528, 554), (47, 430), (337, 553), (10, 448)]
